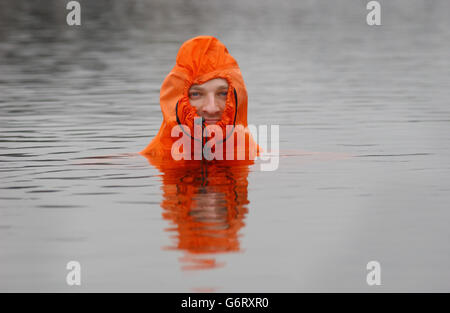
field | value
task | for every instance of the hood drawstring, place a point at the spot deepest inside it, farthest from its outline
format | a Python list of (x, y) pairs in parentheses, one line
[(204, 164), (203, 137)]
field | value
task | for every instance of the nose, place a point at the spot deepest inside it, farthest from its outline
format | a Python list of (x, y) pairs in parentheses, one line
[(210, 108)]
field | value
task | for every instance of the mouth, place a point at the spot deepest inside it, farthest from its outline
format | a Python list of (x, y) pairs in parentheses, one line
[(211, 121)]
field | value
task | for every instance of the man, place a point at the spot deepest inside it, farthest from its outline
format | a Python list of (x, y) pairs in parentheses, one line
[(206, 87)]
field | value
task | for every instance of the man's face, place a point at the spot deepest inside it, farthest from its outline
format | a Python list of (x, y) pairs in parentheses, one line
[(209, 99)]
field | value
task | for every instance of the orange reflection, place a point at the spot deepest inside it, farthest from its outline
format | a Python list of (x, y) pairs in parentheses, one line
[(206, 201)]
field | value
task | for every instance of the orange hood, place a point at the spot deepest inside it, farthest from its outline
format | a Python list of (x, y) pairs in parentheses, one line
[(201, 59)]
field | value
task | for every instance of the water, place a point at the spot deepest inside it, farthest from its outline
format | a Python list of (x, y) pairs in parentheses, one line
[(364, 168)]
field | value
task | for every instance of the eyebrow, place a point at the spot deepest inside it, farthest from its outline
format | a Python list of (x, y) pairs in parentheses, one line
[(201, 88)]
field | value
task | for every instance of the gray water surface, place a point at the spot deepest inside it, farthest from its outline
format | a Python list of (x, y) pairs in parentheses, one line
[(364, 170)]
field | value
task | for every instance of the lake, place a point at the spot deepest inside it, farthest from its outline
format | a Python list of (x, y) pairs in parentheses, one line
[(364, 169)]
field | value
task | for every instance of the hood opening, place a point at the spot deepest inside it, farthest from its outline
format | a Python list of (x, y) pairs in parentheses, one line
[(221, 123)]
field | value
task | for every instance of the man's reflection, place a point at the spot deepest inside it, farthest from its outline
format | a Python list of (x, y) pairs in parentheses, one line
[(207, 203)]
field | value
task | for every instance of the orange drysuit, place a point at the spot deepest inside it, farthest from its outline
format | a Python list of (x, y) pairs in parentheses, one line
[(206, 202), (201, 59)]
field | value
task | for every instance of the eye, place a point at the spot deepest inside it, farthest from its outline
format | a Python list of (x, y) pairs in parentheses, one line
[(223, 93), (194, 94)]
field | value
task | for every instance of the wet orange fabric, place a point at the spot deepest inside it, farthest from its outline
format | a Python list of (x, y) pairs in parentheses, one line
[(201, 59), (206, 204)]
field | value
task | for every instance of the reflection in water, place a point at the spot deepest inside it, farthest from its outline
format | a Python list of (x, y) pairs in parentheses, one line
[(207, 203)]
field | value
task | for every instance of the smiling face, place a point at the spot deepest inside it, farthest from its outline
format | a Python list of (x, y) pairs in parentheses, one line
[(209, 99)]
